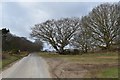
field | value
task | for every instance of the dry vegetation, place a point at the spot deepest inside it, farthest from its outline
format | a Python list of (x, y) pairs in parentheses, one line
[(83, 66), (8, 58)]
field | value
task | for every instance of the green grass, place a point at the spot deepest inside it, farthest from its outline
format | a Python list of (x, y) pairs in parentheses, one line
[(10, 59), (0, 64), (108, 73)]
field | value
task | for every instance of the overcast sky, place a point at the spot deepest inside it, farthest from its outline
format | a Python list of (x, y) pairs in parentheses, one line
[(19, 17)]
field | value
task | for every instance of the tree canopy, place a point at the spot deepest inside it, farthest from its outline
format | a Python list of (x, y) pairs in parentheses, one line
[(99, 29), (58, 33), (12, 42)]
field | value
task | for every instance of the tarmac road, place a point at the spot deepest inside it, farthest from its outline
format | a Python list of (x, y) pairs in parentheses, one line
[(32, 66)]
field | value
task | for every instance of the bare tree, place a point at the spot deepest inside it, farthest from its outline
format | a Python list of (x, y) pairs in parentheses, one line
[(118, 37), (58, 33), (103, 25), (83, 39)]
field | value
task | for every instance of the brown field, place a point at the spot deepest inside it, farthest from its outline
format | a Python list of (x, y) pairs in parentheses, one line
[(94, 65)]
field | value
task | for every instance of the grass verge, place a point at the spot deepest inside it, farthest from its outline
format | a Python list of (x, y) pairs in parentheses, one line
[(10, 58), (106, 72), (109, 72)]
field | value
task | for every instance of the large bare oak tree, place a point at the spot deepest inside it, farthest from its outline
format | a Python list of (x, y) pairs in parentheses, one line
[(58, 33), (102, 22)]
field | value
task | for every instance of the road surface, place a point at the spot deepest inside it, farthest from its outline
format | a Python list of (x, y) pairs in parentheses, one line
[(32, 66)]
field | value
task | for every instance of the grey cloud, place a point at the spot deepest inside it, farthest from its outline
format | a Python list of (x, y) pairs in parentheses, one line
[(19, 18), (67, 9)]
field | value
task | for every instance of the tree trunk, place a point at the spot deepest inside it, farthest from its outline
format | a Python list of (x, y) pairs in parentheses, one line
[(107, 45), (86, 50), (61, 51)]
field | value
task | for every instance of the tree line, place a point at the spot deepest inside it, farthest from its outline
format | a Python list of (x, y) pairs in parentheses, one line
[(14, 43), (99, 30)]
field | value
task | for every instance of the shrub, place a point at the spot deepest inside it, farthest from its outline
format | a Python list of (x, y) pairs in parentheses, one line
[(15, 51), (70, 52)]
